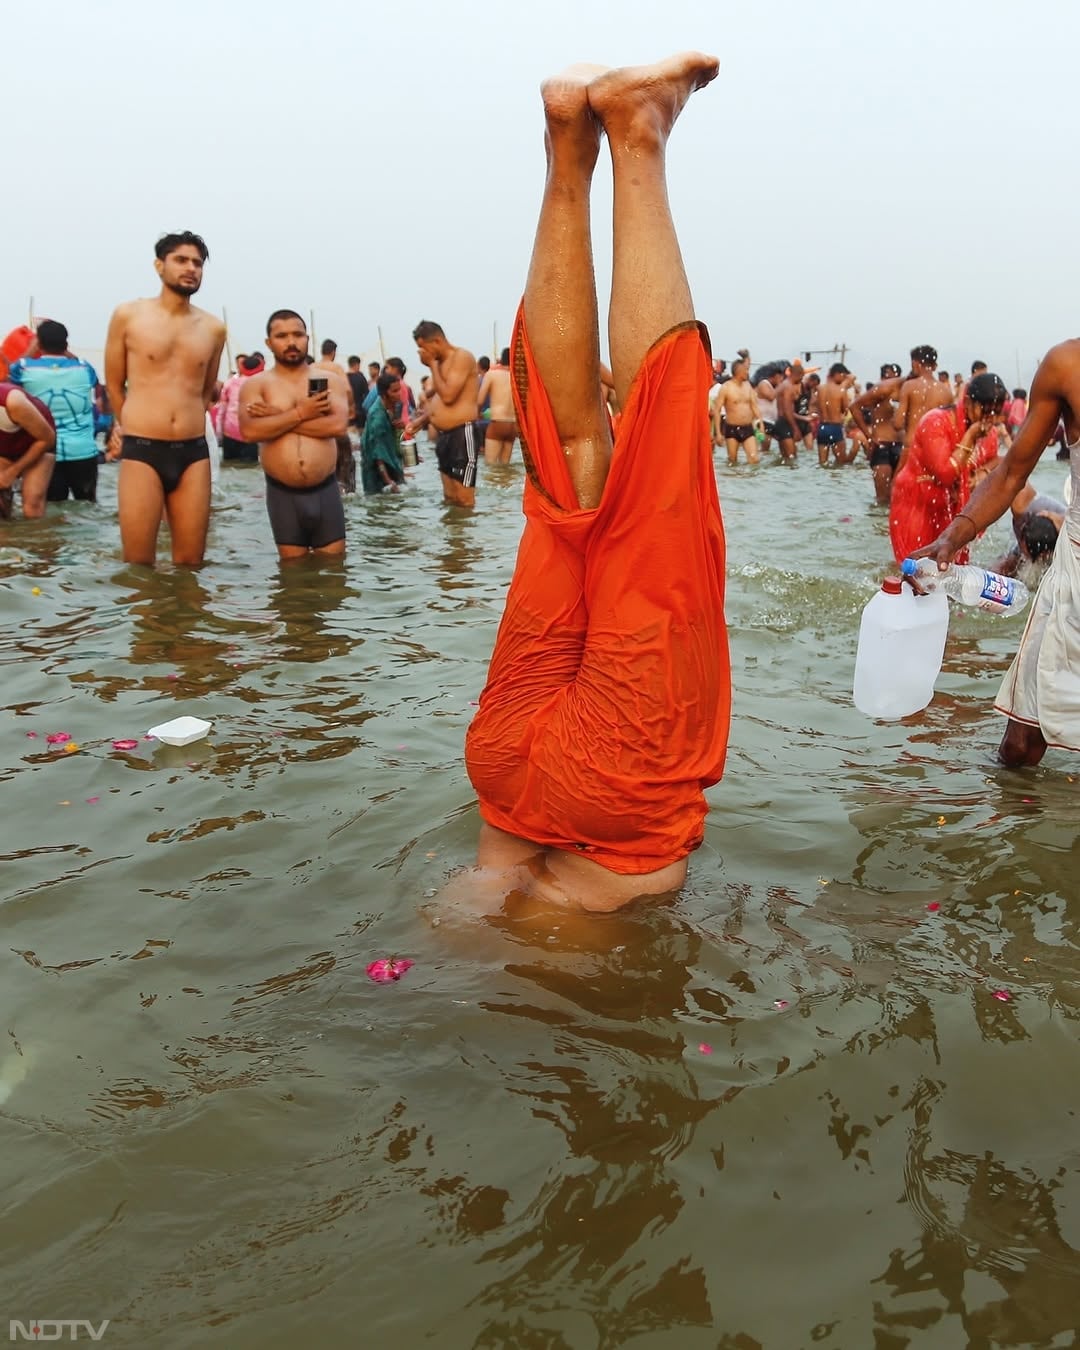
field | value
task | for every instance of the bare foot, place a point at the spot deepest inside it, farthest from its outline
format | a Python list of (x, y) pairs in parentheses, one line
[(570, 121), (636, 104)]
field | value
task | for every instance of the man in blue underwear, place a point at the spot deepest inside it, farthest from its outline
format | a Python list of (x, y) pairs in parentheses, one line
[(161, 370), (298, 427), (832, 409)]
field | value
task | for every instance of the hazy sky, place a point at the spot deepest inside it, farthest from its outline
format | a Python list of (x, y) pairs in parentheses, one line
[(874, 174)]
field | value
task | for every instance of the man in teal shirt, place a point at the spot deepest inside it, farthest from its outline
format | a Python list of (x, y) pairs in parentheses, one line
[(66, 386), (380, 462)]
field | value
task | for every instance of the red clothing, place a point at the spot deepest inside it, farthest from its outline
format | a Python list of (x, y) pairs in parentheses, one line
[(15, 440), (929, 491)]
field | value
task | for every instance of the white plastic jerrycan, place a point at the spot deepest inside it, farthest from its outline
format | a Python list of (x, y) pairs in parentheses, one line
[(901, 643)]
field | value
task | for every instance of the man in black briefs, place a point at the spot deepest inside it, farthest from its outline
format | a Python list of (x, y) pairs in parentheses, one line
[(298, 431), (877, 415), (453, 373), (161, 369)]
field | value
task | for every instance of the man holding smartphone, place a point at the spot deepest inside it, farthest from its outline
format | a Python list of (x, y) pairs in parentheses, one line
[(296, 412)]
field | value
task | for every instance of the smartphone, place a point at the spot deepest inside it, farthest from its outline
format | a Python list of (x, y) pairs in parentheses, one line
[(317, 384)]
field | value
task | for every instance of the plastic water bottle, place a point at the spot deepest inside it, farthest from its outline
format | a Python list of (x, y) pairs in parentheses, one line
[(970, 585), (901, 643)]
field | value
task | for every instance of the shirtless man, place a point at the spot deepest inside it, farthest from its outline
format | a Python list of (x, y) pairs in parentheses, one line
[(787, 413), (298, 430), (737, 401), (346, 464), (832, 409), (453, 373), (920, 393), (161, 369), (502, 429), (766, 397), (876, 414)]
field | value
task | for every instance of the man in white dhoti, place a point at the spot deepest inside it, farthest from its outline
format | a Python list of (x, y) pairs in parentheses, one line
[(1040, 695)]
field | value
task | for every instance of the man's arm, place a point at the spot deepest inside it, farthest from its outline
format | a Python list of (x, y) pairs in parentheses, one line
[(23, 413), (867, 402), (449, 377), (210, 381), (484, 391), (994, 495), (116, 372)]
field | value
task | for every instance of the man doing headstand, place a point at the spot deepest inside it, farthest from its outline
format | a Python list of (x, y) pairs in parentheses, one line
[(606, 708)]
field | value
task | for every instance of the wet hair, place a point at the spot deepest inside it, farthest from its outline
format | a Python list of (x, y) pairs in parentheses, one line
[(52, 337), (169, 243), (252, 362), (374, 365), (740, 362), (943, 376), (504, 357), (890, 370), (838, 368), (769, 371), (924, 355), (813, 378), (328, 347), (425, 330), (1020, 393), (386, 381), (483, 363), (1038, 535), (977, 367), (353, 360), (283, 314), (987, 390), (397, 364)]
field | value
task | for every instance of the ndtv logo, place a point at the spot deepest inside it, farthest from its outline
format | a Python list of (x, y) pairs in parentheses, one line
[(47, 1329)]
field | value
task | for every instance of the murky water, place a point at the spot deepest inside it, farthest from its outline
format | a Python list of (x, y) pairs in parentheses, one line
[(786, 1111)]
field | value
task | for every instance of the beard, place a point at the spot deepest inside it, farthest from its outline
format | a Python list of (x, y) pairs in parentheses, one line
[(182, 287), (293, 358)]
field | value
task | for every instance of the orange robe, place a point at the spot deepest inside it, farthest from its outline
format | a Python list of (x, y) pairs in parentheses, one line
[(606, 710)]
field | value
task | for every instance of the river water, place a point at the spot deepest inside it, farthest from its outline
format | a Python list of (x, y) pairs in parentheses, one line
[(829, 1097)]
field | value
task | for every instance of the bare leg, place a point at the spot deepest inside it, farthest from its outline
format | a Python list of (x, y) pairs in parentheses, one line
[(560, 293), (188, 511), (732, 451), (35, 487), (1022, 747), (141, 498), (637, 107)]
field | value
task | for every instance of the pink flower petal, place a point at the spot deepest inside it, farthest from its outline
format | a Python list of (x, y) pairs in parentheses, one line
[(388, 970), (125, 745), (705, 1048), (172, 676), (31, 735), (58, 737), (92, 801), (933, 906), (1002, 995), (780, 1003)]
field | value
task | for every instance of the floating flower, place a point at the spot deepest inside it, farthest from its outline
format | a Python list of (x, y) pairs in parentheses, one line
[(71, 748), (1002, 995), (58, 737), (31, 735), (35, 590), (705, 1048), (387, 970), (933, 906), (92, 801), (125, 745), (780, 1003)]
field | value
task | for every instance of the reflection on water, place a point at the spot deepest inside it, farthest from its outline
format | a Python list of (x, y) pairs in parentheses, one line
[(827, 1097)]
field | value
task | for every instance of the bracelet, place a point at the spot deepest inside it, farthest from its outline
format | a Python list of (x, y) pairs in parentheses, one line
[(963, 515)]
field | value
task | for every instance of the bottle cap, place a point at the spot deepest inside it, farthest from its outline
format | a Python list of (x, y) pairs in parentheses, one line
[(892, 585), (909, 567)]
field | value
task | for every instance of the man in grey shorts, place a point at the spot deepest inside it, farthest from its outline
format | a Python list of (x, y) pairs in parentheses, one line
[(297, 426)]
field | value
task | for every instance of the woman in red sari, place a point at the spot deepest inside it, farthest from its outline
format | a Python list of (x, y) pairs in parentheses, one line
[(934, 481)]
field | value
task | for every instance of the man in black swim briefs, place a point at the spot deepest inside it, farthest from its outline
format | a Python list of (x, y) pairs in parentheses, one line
[(453, 373), (298, 427), (161, 368), (877, 415)]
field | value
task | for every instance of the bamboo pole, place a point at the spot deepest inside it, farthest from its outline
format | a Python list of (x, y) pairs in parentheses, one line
[(382, 347), (228, 344), (30, 321), (314, 340)]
